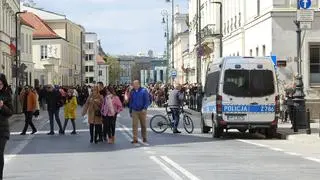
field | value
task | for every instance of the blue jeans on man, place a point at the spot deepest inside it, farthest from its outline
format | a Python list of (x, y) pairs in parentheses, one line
[(55, 114), (176, 119)]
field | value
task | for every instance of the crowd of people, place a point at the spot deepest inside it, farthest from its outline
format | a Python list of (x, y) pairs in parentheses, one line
[(101, 104)]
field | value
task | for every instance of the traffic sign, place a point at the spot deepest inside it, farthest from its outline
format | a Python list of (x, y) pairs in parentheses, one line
[(305, 4), (305, 15), (306, 25), (174, 73)]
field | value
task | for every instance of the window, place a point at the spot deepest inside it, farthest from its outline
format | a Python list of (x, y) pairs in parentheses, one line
[(257, 51), (100, 72), (27, 44), (264, 50), (212, 82), (248, 83), (314, 64), (239, 19), (90, 45), (91, 80), (231, 25), (89, 57), (250, 52), (228, 27), (22, 42), (44, 51), (238, 54), (91, 69), (235, 22), (87, 68), (87, 80)]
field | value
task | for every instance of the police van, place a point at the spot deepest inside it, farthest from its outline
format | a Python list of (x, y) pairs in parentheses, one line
[(240, 93)]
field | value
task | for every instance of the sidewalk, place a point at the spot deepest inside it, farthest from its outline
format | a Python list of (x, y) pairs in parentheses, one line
[(16, 117), (301, 136)]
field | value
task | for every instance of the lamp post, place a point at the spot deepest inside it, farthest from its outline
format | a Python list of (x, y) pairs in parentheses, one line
[(165, 20), (172, 32), (220, 26), (18, 60), (199, 49)]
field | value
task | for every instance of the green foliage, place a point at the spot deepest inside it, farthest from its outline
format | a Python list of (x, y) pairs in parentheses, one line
[(114, 69)]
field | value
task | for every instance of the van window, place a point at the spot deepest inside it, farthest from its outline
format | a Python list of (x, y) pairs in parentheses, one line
[(248, 83), (212, 83)]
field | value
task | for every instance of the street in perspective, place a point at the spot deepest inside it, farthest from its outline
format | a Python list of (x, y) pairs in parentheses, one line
[(159, 89)]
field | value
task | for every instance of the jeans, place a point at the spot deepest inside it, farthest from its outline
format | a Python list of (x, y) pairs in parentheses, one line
[(54, 113), (175, 117), (28, 121), (3, 142)]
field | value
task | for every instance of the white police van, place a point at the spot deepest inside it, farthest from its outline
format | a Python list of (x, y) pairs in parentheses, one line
[(240, 93)]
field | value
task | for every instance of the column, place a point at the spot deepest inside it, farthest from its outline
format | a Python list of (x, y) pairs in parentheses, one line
[(158, 75), (165, 73), (146, 77), (142, 77), (152, 76)]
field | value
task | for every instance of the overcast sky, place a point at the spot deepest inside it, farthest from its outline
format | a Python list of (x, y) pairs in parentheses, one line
[(124, 26)]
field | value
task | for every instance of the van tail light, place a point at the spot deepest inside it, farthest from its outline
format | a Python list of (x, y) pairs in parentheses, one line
[(277, 104), (219, 104)]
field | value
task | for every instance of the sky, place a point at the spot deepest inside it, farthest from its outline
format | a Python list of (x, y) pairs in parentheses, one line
[(125, 27)]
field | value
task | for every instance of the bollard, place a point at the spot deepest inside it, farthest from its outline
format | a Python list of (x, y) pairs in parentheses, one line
[(308, 122), (294, 123)]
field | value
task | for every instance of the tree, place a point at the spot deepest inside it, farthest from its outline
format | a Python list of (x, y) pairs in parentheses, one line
[(114, 69), (29, 3)]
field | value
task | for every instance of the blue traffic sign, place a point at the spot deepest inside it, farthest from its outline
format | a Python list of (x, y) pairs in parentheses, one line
[(305, 4), (174, 73)]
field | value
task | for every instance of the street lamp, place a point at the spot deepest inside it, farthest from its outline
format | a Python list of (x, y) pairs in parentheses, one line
[(172, 31), (165, 20), (18, 60)]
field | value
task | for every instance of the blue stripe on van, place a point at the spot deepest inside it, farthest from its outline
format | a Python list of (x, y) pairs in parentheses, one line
[(249, 108)]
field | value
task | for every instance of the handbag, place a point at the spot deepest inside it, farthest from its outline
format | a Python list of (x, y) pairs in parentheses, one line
[(97, 113)]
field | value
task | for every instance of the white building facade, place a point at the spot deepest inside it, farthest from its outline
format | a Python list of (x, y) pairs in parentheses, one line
[(181, 41), (91, 54), (263, 28), (72, 33), (26, 50), (8, 8)]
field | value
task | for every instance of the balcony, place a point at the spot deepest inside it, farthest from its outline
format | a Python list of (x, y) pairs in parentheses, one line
[(209, 32)]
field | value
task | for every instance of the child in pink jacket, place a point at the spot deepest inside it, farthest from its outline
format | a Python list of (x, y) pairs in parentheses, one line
[(110, 108)]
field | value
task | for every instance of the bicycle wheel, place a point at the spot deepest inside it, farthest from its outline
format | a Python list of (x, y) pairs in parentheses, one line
[(188, 124), (159, 124)]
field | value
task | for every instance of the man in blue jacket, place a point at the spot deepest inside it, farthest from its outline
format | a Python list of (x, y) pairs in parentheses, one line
[(138, 104)]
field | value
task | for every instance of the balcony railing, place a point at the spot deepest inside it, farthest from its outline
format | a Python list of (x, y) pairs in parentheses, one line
[(209, 31)]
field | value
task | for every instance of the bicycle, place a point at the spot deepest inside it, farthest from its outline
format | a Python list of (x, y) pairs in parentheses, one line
[(160, 123)]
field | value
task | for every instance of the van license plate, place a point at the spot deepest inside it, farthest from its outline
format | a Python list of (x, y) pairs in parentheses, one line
[(236, 118)]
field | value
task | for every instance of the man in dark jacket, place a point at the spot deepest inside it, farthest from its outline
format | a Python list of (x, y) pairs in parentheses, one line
[(6, 111), (54, 102)]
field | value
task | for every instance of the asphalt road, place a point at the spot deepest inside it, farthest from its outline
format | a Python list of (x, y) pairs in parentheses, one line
[(165, 156)]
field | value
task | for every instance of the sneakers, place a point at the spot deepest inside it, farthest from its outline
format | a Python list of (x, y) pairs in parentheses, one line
[(176, 131), (134, 142), (33, 132), (50, 133), (73, 133)]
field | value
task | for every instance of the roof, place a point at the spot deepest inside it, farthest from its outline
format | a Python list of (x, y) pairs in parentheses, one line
[(100, 60), (42, 30), (22, 21)]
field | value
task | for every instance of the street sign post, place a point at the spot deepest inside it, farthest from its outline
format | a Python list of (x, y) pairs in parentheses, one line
[(305, 4), (173, 73), (305, 15)]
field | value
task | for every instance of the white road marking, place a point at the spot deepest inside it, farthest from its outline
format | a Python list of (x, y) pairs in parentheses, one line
[(253, 143), (276, 149), (313, 159), (130, 134), (181, 169), (21, 146), (293, 153), (281, 150), (170, 172), (151, 152)]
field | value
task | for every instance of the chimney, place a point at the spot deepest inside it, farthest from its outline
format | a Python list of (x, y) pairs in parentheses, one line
[(177, 9)]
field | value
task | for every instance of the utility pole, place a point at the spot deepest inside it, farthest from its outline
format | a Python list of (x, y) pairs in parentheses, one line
[(81, 60), (199, 49), (165, 20), (18, 60), (172, 33)]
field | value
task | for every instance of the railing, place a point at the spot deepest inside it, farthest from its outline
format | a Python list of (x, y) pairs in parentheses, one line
[(208, 31)]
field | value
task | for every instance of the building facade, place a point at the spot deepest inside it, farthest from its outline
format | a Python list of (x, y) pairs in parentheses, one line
[(181, 44), (91, 54), (126, 65), (8, 8), (72, 34), (261, 28), (101, 71), (26, 42)]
